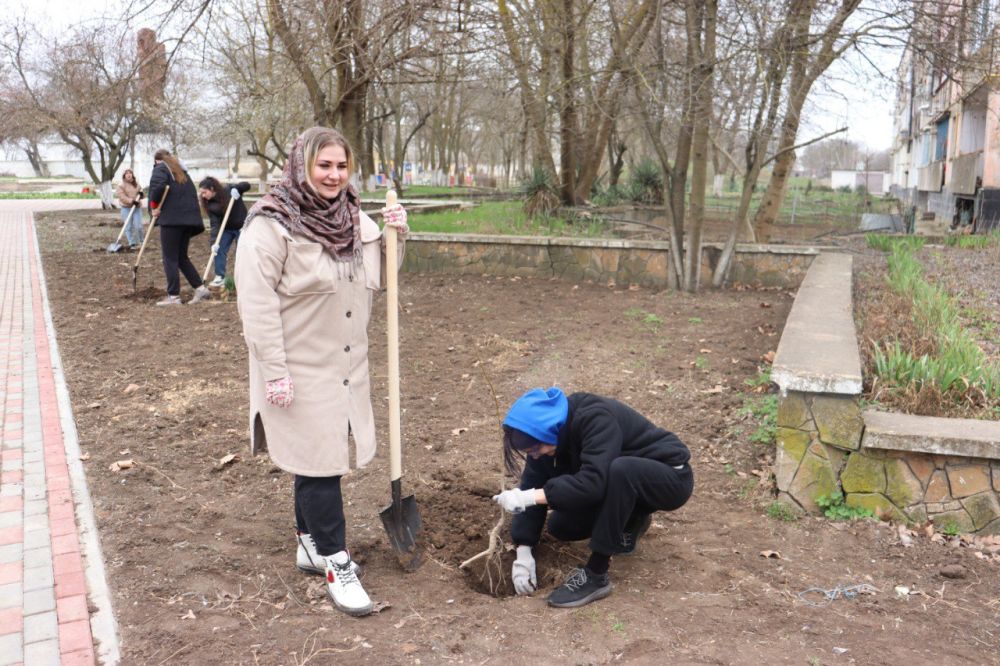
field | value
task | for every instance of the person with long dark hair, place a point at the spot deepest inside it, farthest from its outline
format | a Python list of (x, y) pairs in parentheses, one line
[(307, 265), (215, 198), (179, 219), (599, 469)]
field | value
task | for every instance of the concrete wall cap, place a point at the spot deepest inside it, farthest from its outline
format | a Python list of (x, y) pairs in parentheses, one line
[(931, 434)]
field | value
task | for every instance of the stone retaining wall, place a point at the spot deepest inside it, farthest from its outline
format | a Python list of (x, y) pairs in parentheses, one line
[(901, 467), (605, 261)]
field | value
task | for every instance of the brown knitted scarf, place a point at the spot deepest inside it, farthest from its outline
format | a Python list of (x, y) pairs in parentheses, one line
[(334, 224)]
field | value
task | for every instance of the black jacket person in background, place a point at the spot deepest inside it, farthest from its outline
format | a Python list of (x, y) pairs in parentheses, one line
[(602, 469), (179, 219), (215, 198)]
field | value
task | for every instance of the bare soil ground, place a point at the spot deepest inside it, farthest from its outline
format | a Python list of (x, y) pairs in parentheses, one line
[(201, 555)]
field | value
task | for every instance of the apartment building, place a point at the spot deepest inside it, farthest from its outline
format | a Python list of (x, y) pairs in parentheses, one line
[(946, 149)]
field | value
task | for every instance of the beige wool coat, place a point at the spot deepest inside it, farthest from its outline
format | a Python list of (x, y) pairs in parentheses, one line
[(306, 316)]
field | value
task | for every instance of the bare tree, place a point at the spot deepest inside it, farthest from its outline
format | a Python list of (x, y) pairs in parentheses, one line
[(82, 85)]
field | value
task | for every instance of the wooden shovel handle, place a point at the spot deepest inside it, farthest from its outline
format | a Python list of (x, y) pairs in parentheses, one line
[(218, 238), (392, 328), (152, 223)]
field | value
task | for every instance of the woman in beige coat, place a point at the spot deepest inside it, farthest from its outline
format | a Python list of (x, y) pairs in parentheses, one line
[(307, 265)]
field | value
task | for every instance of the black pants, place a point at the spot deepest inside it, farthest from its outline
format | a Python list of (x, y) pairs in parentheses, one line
[(319, 512), (174, 246), (636, 488)]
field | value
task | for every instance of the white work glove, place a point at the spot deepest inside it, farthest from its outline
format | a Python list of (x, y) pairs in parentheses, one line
[(279, 392), (234, 193), (395, 216), (523, 571), (215, 248), (515, 500)]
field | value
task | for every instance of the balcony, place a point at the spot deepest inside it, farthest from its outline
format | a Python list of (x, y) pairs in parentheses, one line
[(929, 177), (964, 170)]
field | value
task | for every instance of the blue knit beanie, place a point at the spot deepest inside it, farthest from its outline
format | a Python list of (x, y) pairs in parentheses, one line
[(539, 413)]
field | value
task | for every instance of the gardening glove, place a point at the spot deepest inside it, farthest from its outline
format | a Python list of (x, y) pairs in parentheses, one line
[(234, 193), (215, 248), (523, 571), (395, 216), (279, 392), (515, 500)]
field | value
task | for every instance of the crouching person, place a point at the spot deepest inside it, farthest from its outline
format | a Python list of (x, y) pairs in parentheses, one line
[(599, 469)]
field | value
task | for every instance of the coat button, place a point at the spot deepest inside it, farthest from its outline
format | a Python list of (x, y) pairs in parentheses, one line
[(347, 348), (345, 382), (348, 313)]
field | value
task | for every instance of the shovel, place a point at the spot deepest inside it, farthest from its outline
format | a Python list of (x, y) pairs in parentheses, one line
[(218, 238), (117, 245), (152, 223), (401, 518)]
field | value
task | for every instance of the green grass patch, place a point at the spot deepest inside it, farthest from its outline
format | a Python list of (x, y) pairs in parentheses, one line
[(975, 242), (781, 511), (505, 218), (886, 243), (764, 410), (834, 508), (959, 367)]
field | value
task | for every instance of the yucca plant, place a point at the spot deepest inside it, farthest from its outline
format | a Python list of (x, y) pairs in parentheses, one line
[(540, 196), (646, 183)]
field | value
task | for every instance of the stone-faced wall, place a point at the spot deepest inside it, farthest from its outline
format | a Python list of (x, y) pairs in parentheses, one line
[(605, 261), (820, 452), (816, 434)]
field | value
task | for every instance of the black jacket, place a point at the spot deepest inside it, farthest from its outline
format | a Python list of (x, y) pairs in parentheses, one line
[(597, 431), (181, 207), (216, 208)]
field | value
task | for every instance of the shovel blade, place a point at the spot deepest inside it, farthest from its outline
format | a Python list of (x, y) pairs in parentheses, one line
[(402, 524)]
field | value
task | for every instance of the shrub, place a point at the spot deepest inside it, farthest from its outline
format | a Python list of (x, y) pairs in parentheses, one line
[(646, 183), (540, 195), (834, 508)]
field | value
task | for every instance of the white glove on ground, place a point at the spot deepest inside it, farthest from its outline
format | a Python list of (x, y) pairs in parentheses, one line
[(515, 500), (523, 571)]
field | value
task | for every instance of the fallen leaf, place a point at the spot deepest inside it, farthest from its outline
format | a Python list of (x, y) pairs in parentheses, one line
[(716, 389), (765, 304), (94, 405), (119, 465), (380, 606), (124, 452), (905, 536), (768, 357), (131, 388), (226, 459), (704, 351), (459, 431), (85, 456), (773, 554), (189, 615)]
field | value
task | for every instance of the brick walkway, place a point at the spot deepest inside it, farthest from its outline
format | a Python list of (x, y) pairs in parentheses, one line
[(54, 602)]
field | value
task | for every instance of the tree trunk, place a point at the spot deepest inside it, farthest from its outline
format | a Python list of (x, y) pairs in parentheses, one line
[(701, 22), (38, 165), (567, 114)]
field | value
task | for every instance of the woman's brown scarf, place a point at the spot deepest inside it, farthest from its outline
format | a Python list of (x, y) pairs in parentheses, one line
[(335, 224)]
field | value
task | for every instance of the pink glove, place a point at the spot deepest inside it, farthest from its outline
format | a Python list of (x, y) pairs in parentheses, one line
[(280, 392), (395, 216)]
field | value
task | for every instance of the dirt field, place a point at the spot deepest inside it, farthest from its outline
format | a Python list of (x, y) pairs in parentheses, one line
[(201, 556)]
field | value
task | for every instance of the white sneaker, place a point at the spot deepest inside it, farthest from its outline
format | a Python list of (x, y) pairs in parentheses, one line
[(311, 562), (170, 300), (343, 586), (200, 294), (217, 282)]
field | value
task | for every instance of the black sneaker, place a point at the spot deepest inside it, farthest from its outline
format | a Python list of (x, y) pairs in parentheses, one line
[(582, 587), (633, 532)]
